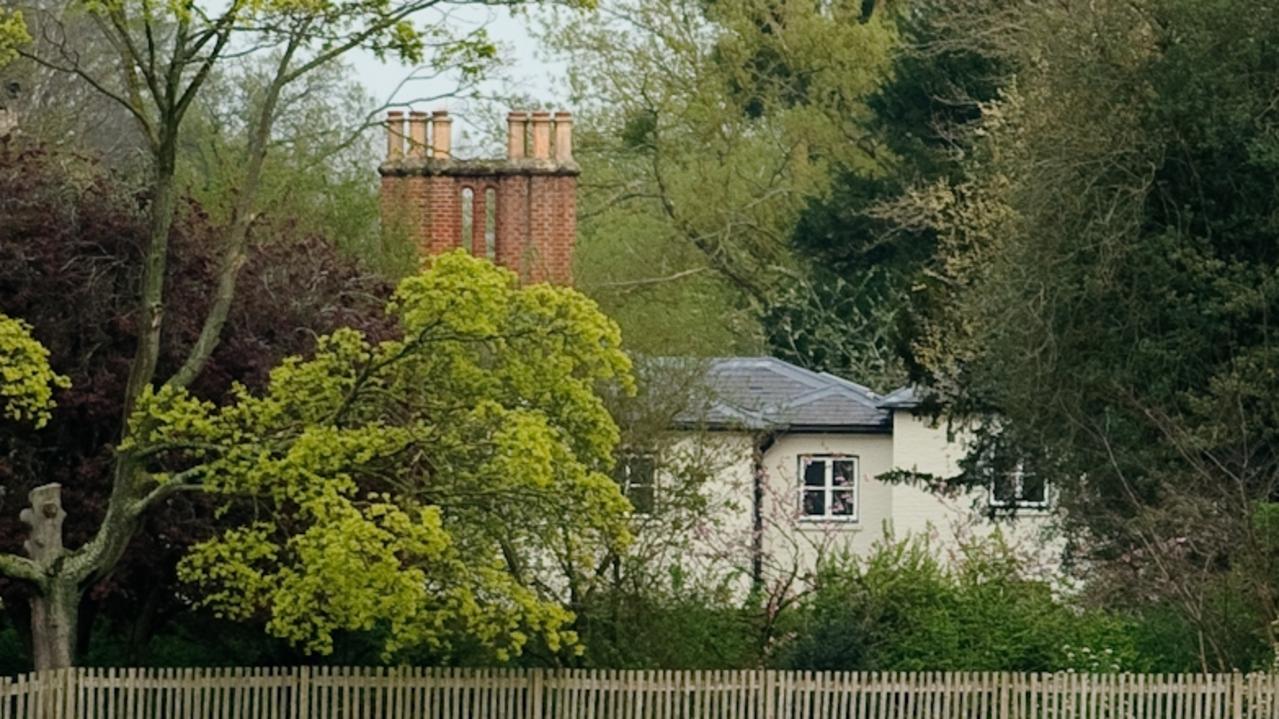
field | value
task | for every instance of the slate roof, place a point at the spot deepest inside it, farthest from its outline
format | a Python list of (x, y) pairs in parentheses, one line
[(900, 398), (767, 393)]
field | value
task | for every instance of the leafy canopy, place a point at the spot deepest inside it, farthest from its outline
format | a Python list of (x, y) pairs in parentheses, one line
[(1103, 288), (13, 32), (413, 485), (712, 125), (26, 380)]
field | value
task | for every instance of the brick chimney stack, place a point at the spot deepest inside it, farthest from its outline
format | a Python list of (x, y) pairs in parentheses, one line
[(519, 211)]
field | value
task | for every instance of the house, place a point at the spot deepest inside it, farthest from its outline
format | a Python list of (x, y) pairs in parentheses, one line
[(805, 471), (801, 456)]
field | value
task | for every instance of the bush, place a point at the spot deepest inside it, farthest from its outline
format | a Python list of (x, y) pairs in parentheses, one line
[(681, 628), (901, 608)]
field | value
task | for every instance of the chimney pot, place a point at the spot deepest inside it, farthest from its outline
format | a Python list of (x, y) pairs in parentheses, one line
[(441, 135), (394, 136), (417, 135), (564, 136), (515, 136), (542, 135)]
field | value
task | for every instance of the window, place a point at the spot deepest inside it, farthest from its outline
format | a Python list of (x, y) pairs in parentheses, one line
[(468, 219), (828, 487), (637, 474), (1020, 489), (490, 223)]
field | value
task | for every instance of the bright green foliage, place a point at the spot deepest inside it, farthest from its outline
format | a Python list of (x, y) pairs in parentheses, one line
[(26, 380), (13, 32), (421, 484)]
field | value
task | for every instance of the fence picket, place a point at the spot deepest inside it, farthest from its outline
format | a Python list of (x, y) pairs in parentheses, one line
[(427, 693)]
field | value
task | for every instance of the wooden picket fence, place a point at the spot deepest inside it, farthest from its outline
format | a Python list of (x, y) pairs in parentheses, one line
[(419, 693)]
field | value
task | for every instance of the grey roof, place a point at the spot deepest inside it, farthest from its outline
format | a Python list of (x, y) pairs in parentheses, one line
[(765, 392), (900, 398)]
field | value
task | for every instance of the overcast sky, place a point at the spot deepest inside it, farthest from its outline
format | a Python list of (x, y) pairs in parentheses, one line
[(523, 72)]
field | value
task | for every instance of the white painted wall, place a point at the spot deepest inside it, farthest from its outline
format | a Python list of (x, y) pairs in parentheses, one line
[(791, 540), (923, 445), (898, 510)]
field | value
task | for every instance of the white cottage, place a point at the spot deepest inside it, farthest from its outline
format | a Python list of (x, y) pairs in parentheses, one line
[(804, 455)]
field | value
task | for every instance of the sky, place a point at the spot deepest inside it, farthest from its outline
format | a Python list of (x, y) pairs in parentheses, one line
[(524, 71)]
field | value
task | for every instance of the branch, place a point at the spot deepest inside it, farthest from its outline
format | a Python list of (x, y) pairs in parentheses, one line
[(147, 127), (237, 236), (16, 567), (627, 285), (178, 483), (358, 39)]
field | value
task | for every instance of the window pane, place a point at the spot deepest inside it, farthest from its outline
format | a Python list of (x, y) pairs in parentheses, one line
[(642, 469), (468, 216), (490, 223), (1004, 488), (642, 497), (1033, 488), (815, 502), (842, 503), (637, 475), (843, 474), (814, 472)]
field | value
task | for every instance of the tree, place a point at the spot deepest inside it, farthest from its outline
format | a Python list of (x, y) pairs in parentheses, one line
[(318, 169), (1103, 291), (857, 317), (712, 126), (167, 57), (70, 236), (413, 483), (13, 32)]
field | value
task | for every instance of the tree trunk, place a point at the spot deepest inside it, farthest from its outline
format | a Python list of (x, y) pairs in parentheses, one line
[(56, 601), (53, 624)]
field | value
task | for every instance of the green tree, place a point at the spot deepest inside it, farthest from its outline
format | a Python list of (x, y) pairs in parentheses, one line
[(857, 315), (1103, 290), (712, 126), (413, 484), (13, 32), (317, 174), (166, 58)]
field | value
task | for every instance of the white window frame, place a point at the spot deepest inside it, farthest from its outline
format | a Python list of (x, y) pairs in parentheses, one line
[(829, 486), (1017, 476), (625, 483)]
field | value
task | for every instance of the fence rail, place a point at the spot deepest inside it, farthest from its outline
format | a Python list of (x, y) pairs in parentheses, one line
[(420, 693)]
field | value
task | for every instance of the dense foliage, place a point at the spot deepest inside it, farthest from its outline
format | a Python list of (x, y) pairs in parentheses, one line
[(162, 63), (26, 381), (447, 467), (709, 128), (902, 607), (70, 235), (1104, 285)]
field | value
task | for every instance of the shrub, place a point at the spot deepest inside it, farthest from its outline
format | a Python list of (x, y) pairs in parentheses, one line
[(902, 608)]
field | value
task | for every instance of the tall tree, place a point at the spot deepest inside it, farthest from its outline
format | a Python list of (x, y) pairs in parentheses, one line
[(713, 125), (166, 58), (857, 316), (1104, 285), (70, 236)]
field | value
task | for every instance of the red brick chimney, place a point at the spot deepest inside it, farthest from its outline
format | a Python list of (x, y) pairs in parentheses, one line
[(520, 212)]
